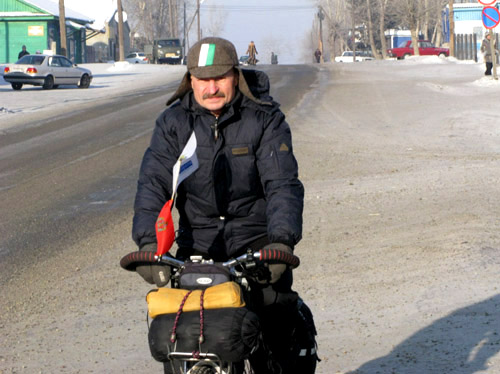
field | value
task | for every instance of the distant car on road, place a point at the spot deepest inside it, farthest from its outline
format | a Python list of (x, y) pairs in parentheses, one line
[(137, 58), (347, 56), (167, 51), (244, 60), (46, 71), (425, 48)]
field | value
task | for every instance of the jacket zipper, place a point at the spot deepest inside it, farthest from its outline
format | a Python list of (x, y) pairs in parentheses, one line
[(215, 127)]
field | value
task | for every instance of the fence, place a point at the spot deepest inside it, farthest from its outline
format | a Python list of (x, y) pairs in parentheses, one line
[(466, 47)]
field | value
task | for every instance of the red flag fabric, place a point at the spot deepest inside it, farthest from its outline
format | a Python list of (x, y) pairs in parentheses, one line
[(165, 233)]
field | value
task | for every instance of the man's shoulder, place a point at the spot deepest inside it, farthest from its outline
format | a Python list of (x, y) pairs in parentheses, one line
[(174, 114), (269, 107)]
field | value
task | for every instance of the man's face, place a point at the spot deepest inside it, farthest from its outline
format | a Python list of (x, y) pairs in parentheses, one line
[(214, 93)]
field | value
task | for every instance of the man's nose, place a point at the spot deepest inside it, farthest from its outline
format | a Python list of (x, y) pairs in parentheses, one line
[(212, 86)]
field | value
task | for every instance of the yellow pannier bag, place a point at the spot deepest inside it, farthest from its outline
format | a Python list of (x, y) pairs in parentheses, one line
[(169, 300)]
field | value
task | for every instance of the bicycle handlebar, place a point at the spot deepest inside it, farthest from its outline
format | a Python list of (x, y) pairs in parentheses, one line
[(133, 259)]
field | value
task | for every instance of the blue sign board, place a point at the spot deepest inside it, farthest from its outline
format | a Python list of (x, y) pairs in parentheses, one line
[(491, 17)]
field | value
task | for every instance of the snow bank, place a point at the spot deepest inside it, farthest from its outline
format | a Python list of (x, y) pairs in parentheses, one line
[(109, 81)]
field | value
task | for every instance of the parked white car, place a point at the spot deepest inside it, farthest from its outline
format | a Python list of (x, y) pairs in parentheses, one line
[(46, 71), (137, 58), (347, 56)]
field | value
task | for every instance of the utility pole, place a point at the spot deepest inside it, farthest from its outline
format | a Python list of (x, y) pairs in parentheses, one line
[(452, 29), (62, 27), (198, 11), (493, 49), (171, 22), (184, 45), (120, 31), (321, 17), (353, 13)]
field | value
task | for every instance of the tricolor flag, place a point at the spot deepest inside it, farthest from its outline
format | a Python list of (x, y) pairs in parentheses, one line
[(207, 53), (186, 164)]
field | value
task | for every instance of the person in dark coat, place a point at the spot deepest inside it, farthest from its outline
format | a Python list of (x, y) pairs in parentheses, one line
[(23, 52), (274, 58), (317, 55), (245, 193)]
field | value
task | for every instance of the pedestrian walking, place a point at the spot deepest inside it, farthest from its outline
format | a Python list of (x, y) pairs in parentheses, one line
[(317, 55)]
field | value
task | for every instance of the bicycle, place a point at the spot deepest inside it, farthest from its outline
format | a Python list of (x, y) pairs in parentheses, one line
[(201, 276)]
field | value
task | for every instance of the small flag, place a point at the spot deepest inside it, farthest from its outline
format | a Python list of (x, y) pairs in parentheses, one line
[(186, 164), (165, 233)]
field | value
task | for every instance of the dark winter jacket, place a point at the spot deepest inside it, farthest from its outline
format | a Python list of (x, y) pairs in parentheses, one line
[(22, 54), (246, 186)]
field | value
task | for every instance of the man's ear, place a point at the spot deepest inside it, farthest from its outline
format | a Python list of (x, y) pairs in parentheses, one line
[(236, 77), (190, 80)]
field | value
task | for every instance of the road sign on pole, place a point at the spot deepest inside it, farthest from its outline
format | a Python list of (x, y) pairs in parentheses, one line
[(491, 17), (487, 2)]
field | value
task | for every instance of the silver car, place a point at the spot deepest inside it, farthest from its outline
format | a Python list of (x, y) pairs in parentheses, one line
[(137, 58), (46, 71)]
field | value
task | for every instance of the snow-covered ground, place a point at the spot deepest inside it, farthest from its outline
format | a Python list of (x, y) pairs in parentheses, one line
[(114, 79), (110, 80)]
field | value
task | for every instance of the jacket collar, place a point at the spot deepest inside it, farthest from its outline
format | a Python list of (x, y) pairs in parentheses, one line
[(189, 103)]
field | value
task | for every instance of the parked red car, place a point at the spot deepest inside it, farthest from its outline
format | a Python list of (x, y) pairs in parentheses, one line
[(425, 47)]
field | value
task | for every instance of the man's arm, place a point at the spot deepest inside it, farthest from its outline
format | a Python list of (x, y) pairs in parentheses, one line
[(278, 170), (154, 187)]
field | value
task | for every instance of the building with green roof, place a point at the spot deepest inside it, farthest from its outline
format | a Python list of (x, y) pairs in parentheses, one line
[(35, 24)]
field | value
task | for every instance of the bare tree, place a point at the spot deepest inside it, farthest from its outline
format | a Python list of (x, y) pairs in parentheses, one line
[(382, 6), (337, 24), (420, 17), (216, 18), (370, 30), (154, 19), (410, 15)]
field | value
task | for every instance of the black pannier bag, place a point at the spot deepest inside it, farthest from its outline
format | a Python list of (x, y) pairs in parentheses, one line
[(304, 351), (230, 333), (292, 338)]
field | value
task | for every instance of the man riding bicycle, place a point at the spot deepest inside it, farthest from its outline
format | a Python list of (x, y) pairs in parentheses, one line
[(245, 192)]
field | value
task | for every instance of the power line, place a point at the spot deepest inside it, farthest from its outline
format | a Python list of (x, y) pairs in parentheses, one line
[(257, 8)]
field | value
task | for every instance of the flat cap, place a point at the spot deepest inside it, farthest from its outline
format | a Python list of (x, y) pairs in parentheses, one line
[(211, 57)]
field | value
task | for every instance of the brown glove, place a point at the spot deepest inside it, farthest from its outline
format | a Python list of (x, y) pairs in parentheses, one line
[(154, 274)]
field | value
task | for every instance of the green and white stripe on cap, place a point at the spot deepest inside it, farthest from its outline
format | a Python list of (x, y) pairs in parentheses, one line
[(207, 52)]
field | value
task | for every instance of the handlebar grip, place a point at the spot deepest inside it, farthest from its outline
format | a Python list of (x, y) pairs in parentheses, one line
[(279, 256), (133, 259)]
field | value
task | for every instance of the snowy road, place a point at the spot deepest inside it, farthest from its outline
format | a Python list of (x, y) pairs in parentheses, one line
[(400, 253)]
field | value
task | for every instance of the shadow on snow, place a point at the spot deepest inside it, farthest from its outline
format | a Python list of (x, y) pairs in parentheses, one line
[(460, 343)]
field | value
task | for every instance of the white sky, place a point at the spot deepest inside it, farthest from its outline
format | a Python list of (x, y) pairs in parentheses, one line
[(279, 26), (99, 10)]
